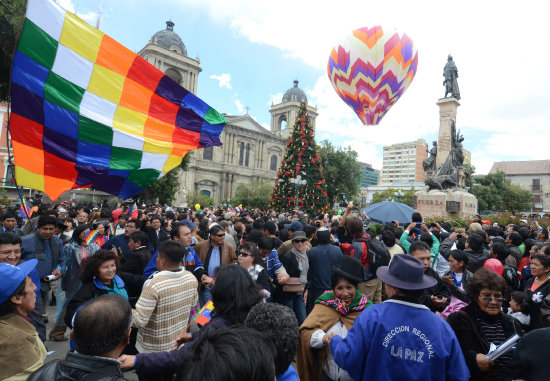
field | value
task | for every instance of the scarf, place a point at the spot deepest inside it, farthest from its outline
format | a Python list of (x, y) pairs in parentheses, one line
[(456, 282), (359, 302), (303, 263)]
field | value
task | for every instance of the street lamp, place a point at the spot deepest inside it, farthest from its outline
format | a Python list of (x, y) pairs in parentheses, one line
[(298, 182)]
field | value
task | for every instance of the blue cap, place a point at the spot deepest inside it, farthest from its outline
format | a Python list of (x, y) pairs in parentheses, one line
[(12, 276), (294, 226), (189, 224)]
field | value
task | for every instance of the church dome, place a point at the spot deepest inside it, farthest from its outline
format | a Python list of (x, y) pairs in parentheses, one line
[(295, 94), (169, 39)]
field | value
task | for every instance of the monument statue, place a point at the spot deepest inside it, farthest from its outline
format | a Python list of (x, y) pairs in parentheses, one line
[(429, 163), (452, 173), (450, 73)]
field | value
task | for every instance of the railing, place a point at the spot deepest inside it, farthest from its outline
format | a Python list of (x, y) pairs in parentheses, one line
[(536, 188)]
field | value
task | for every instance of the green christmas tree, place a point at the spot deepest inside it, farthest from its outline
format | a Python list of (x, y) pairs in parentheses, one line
[(301, 159)]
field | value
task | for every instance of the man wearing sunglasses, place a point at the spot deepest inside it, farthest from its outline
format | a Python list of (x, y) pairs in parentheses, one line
[(213, 253)]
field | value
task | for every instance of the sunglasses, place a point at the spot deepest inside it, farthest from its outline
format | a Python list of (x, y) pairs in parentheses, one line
[(489, 299), (242, 253), (220, 235), (300, 240)]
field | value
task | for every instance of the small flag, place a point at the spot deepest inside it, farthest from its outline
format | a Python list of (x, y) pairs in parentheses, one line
[(24, 210), (111, 230), (238, 210), (91, 236), (203, 317), (133, 211)]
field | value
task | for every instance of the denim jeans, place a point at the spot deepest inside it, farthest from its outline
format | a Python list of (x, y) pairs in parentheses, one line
[(205, 295), (296, 304)]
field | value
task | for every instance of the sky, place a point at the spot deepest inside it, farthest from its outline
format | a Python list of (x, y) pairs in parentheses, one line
[(252, 50)]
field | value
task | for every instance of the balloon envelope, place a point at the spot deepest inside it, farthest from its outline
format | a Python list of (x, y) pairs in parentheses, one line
[(495, 265), (370, 70)]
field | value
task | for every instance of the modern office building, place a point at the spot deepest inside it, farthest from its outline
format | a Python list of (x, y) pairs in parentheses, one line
[(402, 163), (369, 175)]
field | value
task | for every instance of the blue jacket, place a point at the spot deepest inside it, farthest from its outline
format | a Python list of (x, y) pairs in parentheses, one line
[(398, 340), (191, 262)]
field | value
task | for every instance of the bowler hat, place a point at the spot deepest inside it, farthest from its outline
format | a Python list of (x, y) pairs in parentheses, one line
[(405, 272), (350, 267)]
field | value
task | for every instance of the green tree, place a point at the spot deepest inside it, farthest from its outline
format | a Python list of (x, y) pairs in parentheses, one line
[(341, 169), (253, 195), (516, 199), (301, 159), (195, 198), (165, 188), (494, 192), (406, 197), (12, 14)]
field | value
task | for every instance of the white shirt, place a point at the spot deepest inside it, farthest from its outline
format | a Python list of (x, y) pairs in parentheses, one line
[(332, 370)]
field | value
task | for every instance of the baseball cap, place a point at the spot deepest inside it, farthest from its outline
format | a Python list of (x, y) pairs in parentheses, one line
[(294, 226), (189, 224), (12, 276)]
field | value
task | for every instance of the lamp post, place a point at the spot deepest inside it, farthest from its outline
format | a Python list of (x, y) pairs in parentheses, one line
[(298, 182)]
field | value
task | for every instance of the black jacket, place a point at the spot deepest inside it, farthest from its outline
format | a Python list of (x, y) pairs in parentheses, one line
[(88, 291), (440, 289), (535, 299), (77, 366), (468, 340), (137, 261), (476, 259), (155, 239)]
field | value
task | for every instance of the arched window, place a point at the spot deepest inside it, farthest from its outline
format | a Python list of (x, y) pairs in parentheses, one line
[(246, 160), (241, 154), (207, 153), (273, 165)]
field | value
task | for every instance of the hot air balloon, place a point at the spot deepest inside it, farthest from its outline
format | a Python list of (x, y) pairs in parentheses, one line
[(370, 69)]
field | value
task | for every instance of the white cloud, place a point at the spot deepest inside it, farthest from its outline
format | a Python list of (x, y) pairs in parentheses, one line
[(274, 99), (239, 105), (224, 80), (91, 17)]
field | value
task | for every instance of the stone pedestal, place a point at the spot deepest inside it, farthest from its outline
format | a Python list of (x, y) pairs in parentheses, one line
[(447, 113), (447, 203)]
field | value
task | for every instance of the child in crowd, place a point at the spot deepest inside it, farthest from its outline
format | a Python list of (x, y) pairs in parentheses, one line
[(519, 307)]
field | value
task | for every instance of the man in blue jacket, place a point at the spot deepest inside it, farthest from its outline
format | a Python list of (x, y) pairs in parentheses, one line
[(400, 339)]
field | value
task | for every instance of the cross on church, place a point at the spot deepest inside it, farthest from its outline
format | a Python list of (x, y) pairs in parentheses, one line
[(247, 109)]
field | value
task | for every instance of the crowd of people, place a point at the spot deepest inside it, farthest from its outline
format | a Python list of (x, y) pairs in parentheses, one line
[(295, 296)]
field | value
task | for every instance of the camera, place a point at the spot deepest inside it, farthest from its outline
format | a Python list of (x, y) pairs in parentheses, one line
[(343, 203)]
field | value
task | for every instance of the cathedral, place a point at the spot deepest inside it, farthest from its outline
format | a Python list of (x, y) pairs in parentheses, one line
[(249, 152)]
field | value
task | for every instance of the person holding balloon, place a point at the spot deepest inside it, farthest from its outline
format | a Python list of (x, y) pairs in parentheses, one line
[(537, 288)]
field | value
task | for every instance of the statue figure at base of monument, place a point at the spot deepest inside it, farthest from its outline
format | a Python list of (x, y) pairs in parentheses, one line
[(429, 163), (452, 173), (450, 73)]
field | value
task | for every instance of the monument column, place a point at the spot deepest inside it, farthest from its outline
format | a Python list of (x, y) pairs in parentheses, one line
[(447, 114)]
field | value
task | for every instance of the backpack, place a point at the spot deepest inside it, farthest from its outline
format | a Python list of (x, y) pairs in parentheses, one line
[(375, 256), (512, 278)]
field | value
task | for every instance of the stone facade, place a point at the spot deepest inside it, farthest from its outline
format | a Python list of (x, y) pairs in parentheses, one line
[(249, 152)]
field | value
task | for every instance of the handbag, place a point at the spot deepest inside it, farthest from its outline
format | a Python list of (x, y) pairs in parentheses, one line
[(293, 284)]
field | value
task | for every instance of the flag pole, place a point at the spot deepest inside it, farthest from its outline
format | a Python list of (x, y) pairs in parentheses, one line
[(12, 168), (8, 132)]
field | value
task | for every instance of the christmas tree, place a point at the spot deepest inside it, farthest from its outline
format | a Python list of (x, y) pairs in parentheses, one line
[(301, 160)]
